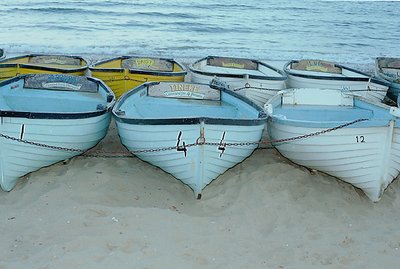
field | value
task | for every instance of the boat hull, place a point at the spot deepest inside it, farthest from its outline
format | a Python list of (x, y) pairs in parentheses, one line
[(18, 159), (201, 163), (258, 91), (367, 158), (328, 75), (253, 79), (394, 91), (367, 89)]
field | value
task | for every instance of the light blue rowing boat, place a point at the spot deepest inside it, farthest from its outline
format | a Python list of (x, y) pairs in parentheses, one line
[(389, 70), (49, 118), (193, 131), (343, 135)]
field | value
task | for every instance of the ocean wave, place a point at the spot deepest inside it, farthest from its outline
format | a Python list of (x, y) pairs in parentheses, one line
[(280, 30)]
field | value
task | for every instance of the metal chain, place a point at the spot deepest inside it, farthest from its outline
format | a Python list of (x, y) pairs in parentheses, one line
[(161, 149), (102, 154), (316, 133), (257, 88), (40, 144)]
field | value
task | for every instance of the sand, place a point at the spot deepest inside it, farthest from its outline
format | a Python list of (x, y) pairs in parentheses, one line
[(265, 212), (120, 212)]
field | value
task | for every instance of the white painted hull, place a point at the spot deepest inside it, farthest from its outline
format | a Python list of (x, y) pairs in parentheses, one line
[(258, 90), (370, 165), (202, 163), (18, 159), (376, 93)]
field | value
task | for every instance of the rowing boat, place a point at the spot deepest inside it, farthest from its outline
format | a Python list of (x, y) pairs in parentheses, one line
[(195, 132), (343, 135), (42, 64), (126, 72), (253, 79), (47, 118), (389, 70), (325, 74)]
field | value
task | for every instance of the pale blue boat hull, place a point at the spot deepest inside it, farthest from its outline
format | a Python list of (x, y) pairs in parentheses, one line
[(34, 122), (365, 154), (186, 123)]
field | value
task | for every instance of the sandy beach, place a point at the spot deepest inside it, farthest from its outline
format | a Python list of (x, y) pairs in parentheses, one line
[(108, 209), (120, 212)]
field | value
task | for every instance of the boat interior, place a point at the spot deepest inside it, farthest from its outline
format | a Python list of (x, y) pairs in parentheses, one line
[(322, 68), (56, 61), (233, 66), (139, 63), (316, 105), (54, 97), (144, 106)]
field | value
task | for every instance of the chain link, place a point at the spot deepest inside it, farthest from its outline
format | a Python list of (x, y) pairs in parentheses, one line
[(40, 144), (316, 133), (102, 154), (257, 88)]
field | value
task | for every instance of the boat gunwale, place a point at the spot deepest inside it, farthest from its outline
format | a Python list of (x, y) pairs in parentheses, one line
[(283, 76), (58, 115), (93, 67), (367, 77), (260, 120), (4, 64)]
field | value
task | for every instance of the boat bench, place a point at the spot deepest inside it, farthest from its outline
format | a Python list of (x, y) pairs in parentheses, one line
[(324, 113), (175, 110)]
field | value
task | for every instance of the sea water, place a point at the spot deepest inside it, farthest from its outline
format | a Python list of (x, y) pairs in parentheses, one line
[(343, 31)]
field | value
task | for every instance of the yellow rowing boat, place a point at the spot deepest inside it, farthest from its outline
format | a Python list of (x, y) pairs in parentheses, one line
[(126, 72), (41, 63)]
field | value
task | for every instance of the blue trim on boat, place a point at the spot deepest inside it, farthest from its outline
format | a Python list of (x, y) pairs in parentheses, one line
[(51, 116), (187, 121), (265, 77)]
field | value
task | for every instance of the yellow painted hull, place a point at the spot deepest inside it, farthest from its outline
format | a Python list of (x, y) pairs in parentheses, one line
[(122, 79), (42, 64)]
